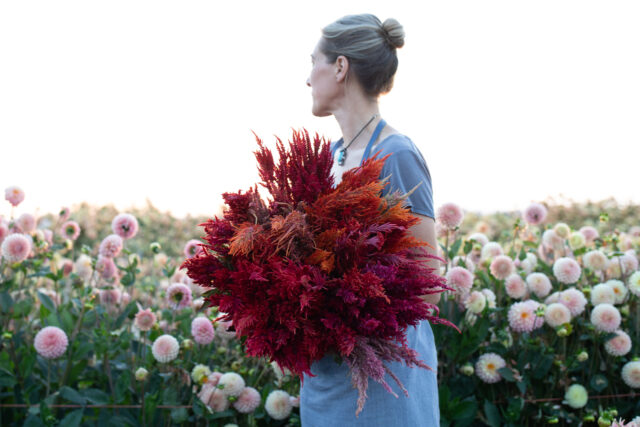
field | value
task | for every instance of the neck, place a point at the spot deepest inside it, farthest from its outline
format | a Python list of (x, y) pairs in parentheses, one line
[(352, 116)]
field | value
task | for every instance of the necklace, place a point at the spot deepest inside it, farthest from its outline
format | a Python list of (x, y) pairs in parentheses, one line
[(342, 155)]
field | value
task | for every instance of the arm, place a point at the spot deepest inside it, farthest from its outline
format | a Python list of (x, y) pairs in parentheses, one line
[(426, 231)]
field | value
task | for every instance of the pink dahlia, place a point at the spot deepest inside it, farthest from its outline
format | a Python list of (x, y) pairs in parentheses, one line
[(491, 250), (165, 348), (231, 384), (552, 240), (202, 330), (14, 195), (110, 296), (26, 222), (106, 267), (449, 215), (539, 284), (464, 262), (618, 345), (278, 405), (501, 267), (192, 248), (145, 319), (574, 299), (487, 367), (535, 213), (16, 248), (602, 293), (480, 238), (460, 278), (70, 230), (125, 225), (4, 231), (522, 316), (631, 374), (595, 260), (605, 317), (218, 401), (248, 400), (64, 213), (111, 246), (554, 297), (557, 314), (515, 287), (589, 233), (51, 342), (566, 270), (178, 296)]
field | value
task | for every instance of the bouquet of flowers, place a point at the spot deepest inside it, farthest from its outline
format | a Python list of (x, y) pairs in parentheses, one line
[(319, 269)]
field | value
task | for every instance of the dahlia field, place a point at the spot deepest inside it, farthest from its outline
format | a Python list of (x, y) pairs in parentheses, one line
[(100, 326)]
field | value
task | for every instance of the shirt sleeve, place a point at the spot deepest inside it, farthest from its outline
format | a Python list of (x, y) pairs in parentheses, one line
[(406, 169)]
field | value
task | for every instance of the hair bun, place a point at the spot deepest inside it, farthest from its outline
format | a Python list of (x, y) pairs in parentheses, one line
[(394, 32)]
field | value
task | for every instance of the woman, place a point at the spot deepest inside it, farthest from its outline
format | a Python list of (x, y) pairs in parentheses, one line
[(353, 64)]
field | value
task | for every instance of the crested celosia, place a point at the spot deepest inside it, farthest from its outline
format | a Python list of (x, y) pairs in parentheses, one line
[(574, 299), (449, 215), (460, 279), (51, 342), (539, 284), (557, 314), (125, 225), (522, 316), (487, 367), (535, 213), (202, 330), (618, 345), (605, 317), (278, 405), (602, 293), (515, 286), (501, 267), (566, 270), (16, 248), (165, 348), (318, 268)]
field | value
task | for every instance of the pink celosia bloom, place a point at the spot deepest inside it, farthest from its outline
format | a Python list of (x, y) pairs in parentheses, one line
[(231, 384), (125, 225), (557, 314), (165, 348), (595, 260), (501, 267), (522, 316), (618, 345), (26, 222), (145, 319), (487, 367), (535, 213), (192, 248), (605, 317), (631, 374), (515, 286), (278, 405), (64, 213), (539, 284), (178, 296), (602, 293), (106, 267), (574, 299), (111, 246), (70, 230), (449, 215), (202, 330), (248, 400), (460, 278), (51, 342), (567, 270), (589, 233), (14, 195), (16, 248)]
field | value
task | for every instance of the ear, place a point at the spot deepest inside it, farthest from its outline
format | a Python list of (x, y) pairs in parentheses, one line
[(341, 68)]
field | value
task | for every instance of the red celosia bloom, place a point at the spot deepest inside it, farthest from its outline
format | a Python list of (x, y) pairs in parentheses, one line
[(319, 269)]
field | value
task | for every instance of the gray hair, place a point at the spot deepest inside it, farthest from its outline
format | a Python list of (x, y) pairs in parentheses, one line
[(369, 45)]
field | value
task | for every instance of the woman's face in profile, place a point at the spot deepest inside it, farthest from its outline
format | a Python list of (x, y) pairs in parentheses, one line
[(323, 83)]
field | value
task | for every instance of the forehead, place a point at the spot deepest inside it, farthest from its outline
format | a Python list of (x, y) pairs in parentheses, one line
[(317, 52)]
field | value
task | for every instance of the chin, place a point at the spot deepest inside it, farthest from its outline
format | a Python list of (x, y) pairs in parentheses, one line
[(319, 113)]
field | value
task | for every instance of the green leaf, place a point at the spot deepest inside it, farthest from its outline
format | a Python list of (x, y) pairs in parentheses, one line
[(522, 255), (522, 386), (95, 396), (47, 302), (465, 409), (72, 419), (542, 367), (507, 374), (223, 414), (5, 301), (72, 396), (33, 421), (492, 414), (455, 248), (468, 246), (128, 279), (122, 385), (179, 415), (599, 382)]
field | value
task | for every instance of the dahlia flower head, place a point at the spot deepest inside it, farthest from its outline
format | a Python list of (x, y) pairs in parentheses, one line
[(178, 296), (557, 314), (110, 297), (619, 345), (83, 267), (529, 263), (70, 230), (490, 296), (515, 286), (111, 246), (605, 318), (567, 270), (106, 267), (248, 400), (633, 283), (213, 397), (522, 316), (125, 225), (231, 384), (200, 373), (460, 278), (491, 250), (449, 216), (535, 213), (165, 348), (577, 240), (16, 248), (631, 374), (464, 262), (551, 240), (192, 248), (576, 396), (51, 342), (562, 230), (574, 299), (202, 330), (278, 405), (475, 302), (26, 222), (620, 291), (144, 319), (479, 238), (595, 260), (501, 267), (487, 367), (14, 195), (602, 293), (539, 284)]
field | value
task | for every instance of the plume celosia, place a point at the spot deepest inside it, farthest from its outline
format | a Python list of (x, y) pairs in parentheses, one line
[(319, 268)]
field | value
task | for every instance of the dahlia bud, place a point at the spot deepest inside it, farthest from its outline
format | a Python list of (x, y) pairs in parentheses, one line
[(68, 244), (624, 310), (552, 420), (467, 369), (155, 247), (603, 422), (562, 332), (187, 344), (222, 350), (582, 356), (589, 418), (235, 365), (141, 374), (7, 335)]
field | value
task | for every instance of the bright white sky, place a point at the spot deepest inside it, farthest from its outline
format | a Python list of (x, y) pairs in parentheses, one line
[(120, 101)]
